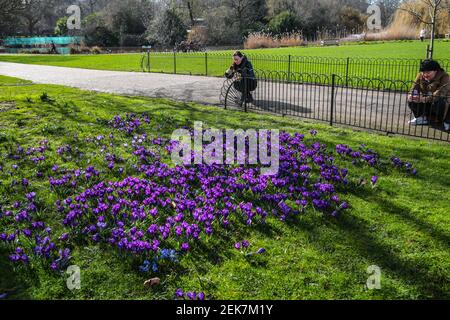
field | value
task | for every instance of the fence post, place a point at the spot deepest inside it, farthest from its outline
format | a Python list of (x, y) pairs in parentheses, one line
[(289, 68), (244, 93), (206, 63), (333, 85), (346, 71), (175, 62)]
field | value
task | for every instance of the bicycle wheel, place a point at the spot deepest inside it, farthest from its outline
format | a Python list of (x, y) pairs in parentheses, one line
[(233, 97)]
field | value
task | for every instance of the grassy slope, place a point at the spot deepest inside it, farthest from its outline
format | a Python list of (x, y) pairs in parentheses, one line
[(195, 63), (4, 81), (402, 226)]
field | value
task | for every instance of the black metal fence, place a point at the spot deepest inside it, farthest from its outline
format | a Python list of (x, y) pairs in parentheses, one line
[(215, 63), (371, 104)]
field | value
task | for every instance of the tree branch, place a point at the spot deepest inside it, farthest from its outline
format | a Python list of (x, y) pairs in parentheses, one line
[(416, 15)]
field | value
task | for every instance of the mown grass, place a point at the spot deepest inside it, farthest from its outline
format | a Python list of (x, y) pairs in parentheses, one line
[(218, 61), (6, 81), (402, 225)]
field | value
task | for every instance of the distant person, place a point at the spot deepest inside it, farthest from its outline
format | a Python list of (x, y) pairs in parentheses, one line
[(423, 34), (430, 95), (53, 49), (246, 83)]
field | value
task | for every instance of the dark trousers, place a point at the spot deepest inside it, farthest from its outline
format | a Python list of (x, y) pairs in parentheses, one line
[(435, 110), (245, 86)]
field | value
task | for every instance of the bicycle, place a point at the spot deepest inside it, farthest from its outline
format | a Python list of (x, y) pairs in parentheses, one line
[(232, 97)]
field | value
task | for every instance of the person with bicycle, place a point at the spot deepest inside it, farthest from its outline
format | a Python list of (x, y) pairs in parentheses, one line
[(245, 81)]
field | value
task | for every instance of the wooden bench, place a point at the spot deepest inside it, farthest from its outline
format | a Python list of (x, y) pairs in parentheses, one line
[(330, 42)]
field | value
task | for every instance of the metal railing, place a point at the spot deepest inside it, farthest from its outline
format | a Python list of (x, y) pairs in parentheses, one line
[(215, 63), (366, 103)]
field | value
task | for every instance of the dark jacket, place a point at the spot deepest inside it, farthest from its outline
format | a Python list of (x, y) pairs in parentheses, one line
[(437, 88), (245, 69)]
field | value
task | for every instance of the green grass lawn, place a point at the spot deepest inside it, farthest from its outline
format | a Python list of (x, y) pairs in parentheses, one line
[(5, 81), (402, 225), (333, 60), (389, 49)]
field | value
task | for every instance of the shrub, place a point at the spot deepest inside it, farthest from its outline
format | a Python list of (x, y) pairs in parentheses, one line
[(198, 35), (74, 49), (61, 27), (84, 48), (285, 22), (132, 40), (259, 40), (393, 33), (96, 50)]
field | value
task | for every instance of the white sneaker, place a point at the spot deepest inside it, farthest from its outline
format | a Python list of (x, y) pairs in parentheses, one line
[(446, 126), (419, 121), (413, 121)]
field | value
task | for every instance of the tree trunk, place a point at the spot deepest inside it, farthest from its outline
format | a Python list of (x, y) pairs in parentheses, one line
[(191, 14), (30, 27), (433, 32)]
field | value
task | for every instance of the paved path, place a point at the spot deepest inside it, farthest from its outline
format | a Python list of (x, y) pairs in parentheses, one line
[(178, 87)]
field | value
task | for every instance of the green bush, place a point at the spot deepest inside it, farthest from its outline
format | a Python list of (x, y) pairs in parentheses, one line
[(285, 22)]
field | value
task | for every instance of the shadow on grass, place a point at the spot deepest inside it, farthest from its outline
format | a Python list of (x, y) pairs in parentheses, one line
[(10, 282), (414, 273), (365, 243)]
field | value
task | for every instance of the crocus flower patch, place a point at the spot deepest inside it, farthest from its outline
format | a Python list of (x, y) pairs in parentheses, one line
[(140, 204)]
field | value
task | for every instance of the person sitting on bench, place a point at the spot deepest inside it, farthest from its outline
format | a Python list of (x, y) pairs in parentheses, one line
[(430, 95), (246, 83)]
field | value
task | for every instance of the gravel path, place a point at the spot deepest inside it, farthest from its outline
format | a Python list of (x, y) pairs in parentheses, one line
[(179, 87)]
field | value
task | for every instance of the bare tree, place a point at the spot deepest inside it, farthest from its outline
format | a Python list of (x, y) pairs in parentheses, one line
[(8, 7), (34, 11), (8, 12), (388, 9), (434, 7), (189, 5), (246, 12)]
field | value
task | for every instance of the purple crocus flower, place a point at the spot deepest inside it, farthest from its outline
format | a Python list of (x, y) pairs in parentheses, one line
[(344, 205), (201, 296), (179, 293), (64, 237), (191, 295), (374, 180)]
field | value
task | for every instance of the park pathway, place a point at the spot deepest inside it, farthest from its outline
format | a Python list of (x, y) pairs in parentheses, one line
[(179, 87)]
